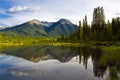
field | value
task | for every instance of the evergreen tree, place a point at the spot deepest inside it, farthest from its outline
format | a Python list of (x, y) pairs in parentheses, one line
[(109, 31), (98, 25), (98, 31), (116, 28), (86, 29), (80, 30)]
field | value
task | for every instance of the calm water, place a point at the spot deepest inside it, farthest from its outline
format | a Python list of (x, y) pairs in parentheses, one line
[(52, 63)]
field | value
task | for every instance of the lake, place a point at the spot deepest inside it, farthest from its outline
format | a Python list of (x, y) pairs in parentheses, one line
[(55, 63)]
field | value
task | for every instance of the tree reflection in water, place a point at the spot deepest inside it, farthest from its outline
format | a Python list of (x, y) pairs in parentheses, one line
[(99, 70)]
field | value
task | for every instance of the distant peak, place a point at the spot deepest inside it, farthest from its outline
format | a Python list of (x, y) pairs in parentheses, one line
[(63, 21), (3, 25), (34, 21)]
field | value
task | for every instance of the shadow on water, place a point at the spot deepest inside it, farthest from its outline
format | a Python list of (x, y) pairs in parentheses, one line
[(65, 54)]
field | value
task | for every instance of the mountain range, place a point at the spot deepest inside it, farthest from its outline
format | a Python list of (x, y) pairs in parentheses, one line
[(41, 28)]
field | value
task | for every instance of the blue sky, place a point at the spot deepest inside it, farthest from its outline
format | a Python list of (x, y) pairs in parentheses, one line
[(13, 12)]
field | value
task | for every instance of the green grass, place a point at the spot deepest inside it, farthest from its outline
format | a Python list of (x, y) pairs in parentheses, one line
[(111, 55), (9, 41)]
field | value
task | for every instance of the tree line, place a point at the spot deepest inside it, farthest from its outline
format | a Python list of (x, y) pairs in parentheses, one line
[(99, 30)]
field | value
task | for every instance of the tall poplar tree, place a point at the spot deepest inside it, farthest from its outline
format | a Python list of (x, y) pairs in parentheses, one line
[(98, 25)]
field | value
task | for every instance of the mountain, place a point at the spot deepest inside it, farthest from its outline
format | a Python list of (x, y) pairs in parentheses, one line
[(63, 26), (30, 28), (3, 26), (41, 28), (47, 24)]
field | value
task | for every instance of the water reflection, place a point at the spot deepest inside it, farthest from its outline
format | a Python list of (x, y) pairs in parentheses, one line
[(35, 54), (89, 57)]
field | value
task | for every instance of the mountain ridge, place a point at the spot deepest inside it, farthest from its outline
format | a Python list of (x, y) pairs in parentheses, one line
[(41, 28)]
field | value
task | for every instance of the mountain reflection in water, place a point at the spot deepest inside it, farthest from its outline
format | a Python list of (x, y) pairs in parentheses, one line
[(54, 63)]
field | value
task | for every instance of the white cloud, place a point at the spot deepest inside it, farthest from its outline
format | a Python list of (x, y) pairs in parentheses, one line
[(19, 9), (17, 19), (117, 13)]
